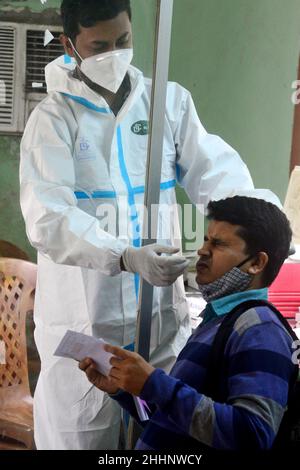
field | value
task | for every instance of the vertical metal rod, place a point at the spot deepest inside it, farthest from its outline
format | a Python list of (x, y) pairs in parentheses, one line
[(153, 175), (154, 162)]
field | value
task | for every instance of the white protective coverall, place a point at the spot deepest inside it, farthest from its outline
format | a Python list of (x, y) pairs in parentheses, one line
[(76, 155)]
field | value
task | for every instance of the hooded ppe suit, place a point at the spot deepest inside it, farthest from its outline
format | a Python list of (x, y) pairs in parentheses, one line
[(78, 160)]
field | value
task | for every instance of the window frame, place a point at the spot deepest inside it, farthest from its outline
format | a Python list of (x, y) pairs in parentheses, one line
[(22, 99)]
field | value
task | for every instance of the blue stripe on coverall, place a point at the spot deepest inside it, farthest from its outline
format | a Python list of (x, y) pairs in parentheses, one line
[(80, 195), (136, 241), (111, 194), (86, 103), (131, 202)]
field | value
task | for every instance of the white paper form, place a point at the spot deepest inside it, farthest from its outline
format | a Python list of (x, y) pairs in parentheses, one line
[(79, 346)]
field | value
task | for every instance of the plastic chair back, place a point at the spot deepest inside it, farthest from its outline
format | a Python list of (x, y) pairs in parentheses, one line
[(17, 286)]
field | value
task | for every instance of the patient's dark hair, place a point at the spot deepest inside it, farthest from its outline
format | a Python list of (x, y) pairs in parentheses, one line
[(87, 13), (263, 226)]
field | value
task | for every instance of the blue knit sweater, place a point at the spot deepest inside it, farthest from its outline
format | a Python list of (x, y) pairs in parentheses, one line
[(258, 354)]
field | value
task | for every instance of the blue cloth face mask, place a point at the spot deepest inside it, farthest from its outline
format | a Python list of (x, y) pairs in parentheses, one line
[(231, 282)]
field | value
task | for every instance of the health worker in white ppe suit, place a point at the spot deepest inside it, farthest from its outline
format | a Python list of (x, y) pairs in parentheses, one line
[(85, 148)]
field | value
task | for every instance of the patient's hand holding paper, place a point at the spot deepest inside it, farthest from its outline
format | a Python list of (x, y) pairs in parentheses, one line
[(79, 346)]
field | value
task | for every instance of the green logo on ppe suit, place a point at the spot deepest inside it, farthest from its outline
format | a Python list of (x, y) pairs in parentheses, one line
[(140, 128)]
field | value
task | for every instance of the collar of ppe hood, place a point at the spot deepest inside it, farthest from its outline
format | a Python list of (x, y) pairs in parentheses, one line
[(59, 78)]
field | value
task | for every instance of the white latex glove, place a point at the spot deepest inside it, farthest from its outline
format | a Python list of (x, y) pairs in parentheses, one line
[(155, 269)]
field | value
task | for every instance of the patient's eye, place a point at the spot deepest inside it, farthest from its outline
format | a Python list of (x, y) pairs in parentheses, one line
[(217, 242)]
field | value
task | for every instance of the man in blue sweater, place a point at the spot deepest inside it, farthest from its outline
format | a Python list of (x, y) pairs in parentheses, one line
[(246, 243)]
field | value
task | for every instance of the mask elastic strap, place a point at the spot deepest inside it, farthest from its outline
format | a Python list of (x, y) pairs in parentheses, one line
[(245, 261), (75, 50)]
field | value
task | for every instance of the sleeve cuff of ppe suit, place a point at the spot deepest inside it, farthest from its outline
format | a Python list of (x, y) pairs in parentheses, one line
[(114, 260)]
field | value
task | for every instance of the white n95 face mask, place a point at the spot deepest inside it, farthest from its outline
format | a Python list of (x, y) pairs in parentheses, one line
[(107, 69)]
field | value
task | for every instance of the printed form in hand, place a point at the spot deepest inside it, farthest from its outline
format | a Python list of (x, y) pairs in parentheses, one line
[(79, 346)]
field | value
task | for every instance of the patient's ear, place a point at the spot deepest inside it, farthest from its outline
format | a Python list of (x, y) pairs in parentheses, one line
[(259, 263)]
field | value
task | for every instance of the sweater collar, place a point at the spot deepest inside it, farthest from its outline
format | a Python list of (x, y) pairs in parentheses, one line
[(224, 305)]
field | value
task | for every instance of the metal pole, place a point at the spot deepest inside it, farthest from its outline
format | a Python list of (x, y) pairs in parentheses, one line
[(154, 162), (153, 174)]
